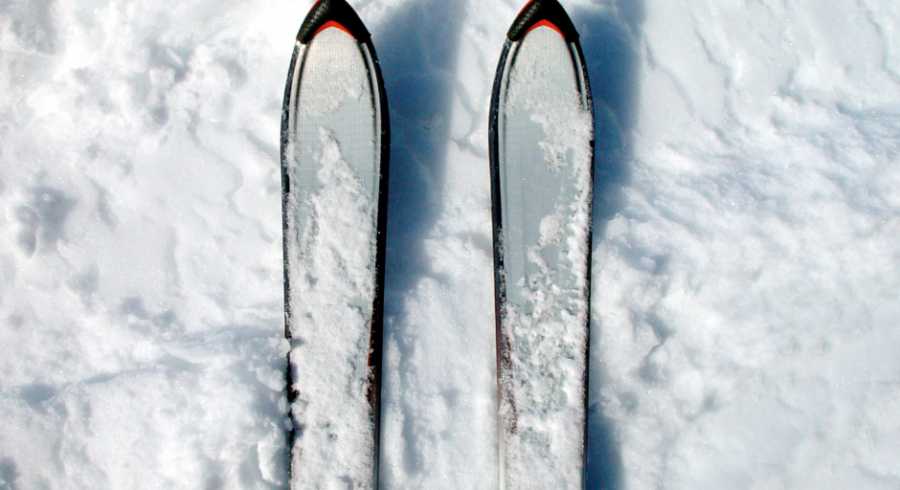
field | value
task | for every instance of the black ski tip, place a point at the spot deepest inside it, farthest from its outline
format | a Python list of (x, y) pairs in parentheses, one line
[(326, 12), (543, 12)]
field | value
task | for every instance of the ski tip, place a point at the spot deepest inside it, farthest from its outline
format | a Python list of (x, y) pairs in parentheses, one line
[(538, 13), (332, 13)]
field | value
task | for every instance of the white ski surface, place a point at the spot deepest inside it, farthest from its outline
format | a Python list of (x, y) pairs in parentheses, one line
[(333, 161), (545, 129)]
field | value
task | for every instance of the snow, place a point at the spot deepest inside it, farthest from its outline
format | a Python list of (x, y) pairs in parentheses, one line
[(745, 311), (330, 287)]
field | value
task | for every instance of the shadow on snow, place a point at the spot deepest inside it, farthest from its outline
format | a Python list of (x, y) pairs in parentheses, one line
[(417, 49), (609, 41)]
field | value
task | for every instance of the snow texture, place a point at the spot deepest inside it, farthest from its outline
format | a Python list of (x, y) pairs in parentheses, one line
[(746, 269), (332, 289)]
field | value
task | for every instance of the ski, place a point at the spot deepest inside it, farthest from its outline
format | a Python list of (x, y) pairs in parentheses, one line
[(334, 164), (541, 155)]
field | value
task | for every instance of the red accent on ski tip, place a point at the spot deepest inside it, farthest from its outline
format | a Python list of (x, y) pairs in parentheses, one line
[(545, 23), (332, 23)]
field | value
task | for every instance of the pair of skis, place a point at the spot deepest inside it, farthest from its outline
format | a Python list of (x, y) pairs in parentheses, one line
[(334, 148)]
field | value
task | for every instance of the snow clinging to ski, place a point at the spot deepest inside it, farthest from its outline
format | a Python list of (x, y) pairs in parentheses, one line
[(541, 169), (334, 173)]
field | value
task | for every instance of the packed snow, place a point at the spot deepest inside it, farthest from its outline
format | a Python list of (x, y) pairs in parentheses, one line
[(746, 269)]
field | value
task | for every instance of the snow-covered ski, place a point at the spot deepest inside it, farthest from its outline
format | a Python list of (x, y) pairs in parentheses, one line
[(334, 163), (541, 149)]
